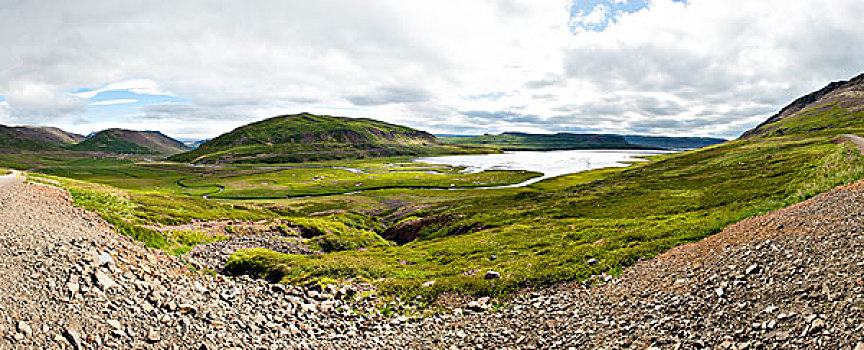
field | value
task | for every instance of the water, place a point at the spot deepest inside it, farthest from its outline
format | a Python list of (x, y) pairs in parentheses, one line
[(549, 163)]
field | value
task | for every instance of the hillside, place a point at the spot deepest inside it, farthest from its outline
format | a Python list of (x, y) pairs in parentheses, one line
[(29, 138), (308, 137), (122, 141), (516, 141), (676, 143), (839, 105)]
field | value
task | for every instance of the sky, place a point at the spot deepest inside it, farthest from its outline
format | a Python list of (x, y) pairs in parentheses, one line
[(196, 69)]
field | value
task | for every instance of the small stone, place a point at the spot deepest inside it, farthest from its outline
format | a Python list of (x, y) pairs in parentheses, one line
[(153, 336), (492, 275), (115, 324), (719, 291), (817, 325), (860, 346), (187, 309), (73, 287), (73, 338), (25, 329), (752, 269), (104, 259), (104, 281), (428, 283), (592, 261)]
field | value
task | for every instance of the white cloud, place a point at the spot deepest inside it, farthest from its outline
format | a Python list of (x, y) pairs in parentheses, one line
[(712, 67), (114, 102), (595, 17), (138, 86)]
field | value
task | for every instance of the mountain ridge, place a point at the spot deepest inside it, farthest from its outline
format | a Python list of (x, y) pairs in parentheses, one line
[(839, 104), (308, 137), (520, 141), (123, 141), (36, 138)]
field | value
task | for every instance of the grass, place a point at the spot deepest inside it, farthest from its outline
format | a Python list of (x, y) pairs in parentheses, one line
[(546, 235)]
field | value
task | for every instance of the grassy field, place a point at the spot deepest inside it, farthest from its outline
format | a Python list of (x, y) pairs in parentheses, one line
[(537, 235), (548, 233)]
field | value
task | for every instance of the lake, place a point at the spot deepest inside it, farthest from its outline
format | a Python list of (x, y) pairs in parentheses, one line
[(550, 163)]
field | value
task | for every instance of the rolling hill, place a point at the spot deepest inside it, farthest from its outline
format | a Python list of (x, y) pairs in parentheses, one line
[(836, 107), (121, 141), (517, 141), (308, 137), (31, 138)]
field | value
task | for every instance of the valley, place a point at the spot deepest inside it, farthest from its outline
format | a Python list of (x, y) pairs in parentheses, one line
[(429, 232)]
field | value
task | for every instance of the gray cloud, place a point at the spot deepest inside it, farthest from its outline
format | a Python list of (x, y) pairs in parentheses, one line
[(708, 68), (390, 95)]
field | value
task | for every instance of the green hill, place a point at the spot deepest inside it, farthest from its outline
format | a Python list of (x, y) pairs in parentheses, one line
[(30, 138), (837, 107), (517, 141), (307, 137), (668, 142), (120, 141)]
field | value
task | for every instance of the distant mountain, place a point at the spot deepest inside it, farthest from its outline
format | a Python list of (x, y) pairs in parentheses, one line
[(192, 143), (836, 108), (517, 141), (31, 138), (121, 141), (307, 137), (674, 143)]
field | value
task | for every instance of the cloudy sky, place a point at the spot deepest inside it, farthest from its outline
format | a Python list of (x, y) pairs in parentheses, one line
[(195, 69)]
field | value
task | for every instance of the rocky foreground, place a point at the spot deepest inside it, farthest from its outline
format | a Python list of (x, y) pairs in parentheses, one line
[(68, 282), (789, 279)]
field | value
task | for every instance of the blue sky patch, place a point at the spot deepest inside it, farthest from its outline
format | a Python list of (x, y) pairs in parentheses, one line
[(487, 96), (597, 15), (108, 105)]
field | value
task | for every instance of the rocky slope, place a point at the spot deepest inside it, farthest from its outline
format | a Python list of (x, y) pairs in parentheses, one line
[(121, 141), (68, 282), (31, 138), (308, 137), (838, 105)]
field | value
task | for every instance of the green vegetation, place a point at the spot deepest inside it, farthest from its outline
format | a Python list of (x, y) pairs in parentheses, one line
[(306, 137), (121, 141), (536, 237)]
